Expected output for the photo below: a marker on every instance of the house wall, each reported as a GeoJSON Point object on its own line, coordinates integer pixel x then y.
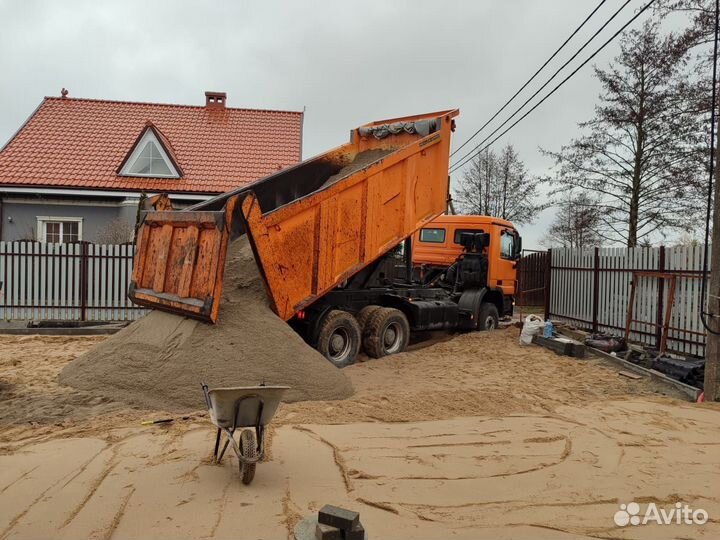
{"type": "Point", "coordinates": [20, 217]}
{"type": "Point", "coordinates": [104, 220]}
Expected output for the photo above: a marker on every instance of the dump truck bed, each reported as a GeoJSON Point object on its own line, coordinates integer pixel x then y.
{"type": "Point", "coordinates": [311, 226]}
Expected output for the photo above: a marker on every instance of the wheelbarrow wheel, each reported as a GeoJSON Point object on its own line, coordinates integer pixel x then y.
{"type": "Point", "coordinates": [248, 449]}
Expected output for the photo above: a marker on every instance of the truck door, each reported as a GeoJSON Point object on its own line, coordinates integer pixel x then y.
{"type": "Point", "coordinates": [503, 266]}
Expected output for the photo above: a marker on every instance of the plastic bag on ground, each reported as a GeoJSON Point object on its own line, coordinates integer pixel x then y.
{"type": "Point", "coordinates": [606, 342]}
{"type": "Point", "coordinates": [532, 326]}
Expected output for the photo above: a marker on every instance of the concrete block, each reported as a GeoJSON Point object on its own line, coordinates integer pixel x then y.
{"type": "Point", "coordinates": [338, 517]}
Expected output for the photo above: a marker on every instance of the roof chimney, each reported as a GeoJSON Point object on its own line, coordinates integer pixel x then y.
{"type": "Point", "coordinates": [215, 100]}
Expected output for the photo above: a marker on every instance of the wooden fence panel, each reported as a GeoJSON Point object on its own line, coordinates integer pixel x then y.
{"type": "Point", "coordinates": [66, 282]}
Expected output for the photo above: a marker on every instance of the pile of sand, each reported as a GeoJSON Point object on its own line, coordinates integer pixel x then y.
{"type": "Point", "coordinates": [160, 360]}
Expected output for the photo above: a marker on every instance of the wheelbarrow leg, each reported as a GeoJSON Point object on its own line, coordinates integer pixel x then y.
{"type": "Point", "coordinates": [217, 443]}
{"type": "Point", "coordinates": [230, 434]}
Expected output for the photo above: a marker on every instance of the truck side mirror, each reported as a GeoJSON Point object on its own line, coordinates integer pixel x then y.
{"type": "Point", "coordinates": [517, 245]}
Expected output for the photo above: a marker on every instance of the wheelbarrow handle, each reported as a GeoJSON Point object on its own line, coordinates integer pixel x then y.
{"type": "Point", "coordinates": [207, 395]}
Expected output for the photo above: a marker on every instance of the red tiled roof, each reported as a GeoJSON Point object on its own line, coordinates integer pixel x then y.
{"type": "Point", "coordinates": [80, 143]}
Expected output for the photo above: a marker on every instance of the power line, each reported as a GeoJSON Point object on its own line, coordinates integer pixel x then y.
{"type": "Point", "coordinates": [528, 100]}
{"type": "Point", "coordinates": [552, 77]}
{"type": "Point", "coordinates": [530, 79]}
{"type": "Point", "coordinates": [465, 159]}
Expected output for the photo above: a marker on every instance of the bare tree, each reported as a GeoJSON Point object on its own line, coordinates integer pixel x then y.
{"type": "Point", "coordinates": [701, 14]}
{"type": "Point", "coordinates": [576, 223]}
{"type": "Point", "coordinates": [499, 185]}
{"type": "Point", "coordinates": [699, 37]}
{"type": "Point", "coordinates": [116, 231]}
{"type": "Point", "coordinates": [641, 157]}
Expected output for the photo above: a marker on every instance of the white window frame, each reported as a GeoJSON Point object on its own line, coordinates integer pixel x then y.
{"type": "Point", "coordinates": [42, 221]}
{"type": "Point", "coordinates": [149, 135]}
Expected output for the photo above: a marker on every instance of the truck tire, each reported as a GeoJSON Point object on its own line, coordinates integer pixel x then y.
{"type": "Point", "coordinates": [339, 338]}
{"type": "Point", "coordinates": [387, 332]}
{"type": "Point", "coordinates": [364, 316]}
{"type": "Point", "coordinates": [488, 316]}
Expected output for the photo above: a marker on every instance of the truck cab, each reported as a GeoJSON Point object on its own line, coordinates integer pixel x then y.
{"type": "Point", "coordinates": [437, 246]}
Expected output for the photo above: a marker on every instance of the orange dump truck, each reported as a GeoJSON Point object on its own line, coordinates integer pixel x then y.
{"type": "Point", "coordinates": [323, 233]}
{"type": "Point", "coordinates": [437, 246]}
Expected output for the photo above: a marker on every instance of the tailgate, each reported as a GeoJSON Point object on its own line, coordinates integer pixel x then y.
{"type": "Point", "coordinates": [180, 261]}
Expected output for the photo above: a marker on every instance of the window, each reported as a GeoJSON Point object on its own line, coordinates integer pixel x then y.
{"type": "Point", "coordinates": [150, 162]}
{"type": "Point", "coordinates": [436, 236]}
{"type": "Point", "coordinates": [59, 230]}
{"type": "Point", "coordinates": [149, 159]}
{"type": "Point", "coordinates": [458, 232]}
{"type": "Point", "coordinates": [507, 244]}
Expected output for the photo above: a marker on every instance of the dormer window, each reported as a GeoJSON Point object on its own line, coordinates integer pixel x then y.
{"type": "Point", "coordinates": [149, 158]}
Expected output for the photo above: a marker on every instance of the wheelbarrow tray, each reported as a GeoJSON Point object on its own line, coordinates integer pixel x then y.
{"type": "Point", "coordinates": [223, 402]}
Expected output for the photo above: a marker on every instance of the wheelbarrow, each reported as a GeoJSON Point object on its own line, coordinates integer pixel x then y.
{"type": "Point", "coordinates": [249, 409]}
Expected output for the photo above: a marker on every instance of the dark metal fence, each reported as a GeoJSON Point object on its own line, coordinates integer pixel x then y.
{"type": "Point", "coordinates": [531, 275]}
{"type": "Point", "coordinates": [80, 281]}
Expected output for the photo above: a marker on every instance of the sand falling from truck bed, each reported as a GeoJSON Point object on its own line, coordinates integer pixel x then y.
{"type": "Point", "coordinates": [360, 161]}
{"type": "Point", "coordinates": [160, 360]}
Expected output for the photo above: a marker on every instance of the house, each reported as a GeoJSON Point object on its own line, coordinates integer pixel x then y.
{"type": "Point", "coordinates": [77, 168]}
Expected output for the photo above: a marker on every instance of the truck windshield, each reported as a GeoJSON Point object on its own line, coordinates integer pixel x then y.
{"type": "Point", "coordinates": [458, 232]}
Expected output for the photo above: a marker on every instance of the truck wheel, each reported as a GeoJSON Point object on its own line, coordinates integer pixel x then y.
{"type": "Point", "coordinates": [487, 316]}
{"type": "Point", "coordinates": [364, 316]}
{"type": "Point", "coordinates": [339, 338]}
{"type": "Point", "coordinates": [386, 332]}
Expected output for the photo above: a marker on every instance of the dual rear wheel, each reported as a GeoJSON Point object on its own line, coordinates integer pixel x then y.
{"type": "Point", "coordinates": [380, 331]}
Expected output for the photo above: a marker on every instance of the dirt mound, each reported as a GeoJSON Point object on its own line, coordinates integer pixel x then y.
{"type": "Point", "coordinates": [160, 360]}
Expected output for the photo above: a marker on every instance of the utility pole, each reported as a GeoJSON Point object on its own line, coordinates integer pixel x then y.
{"type": "Point", "coordinates": [712, 321]}
{"type": "Point", "coordinates": [712, 349]}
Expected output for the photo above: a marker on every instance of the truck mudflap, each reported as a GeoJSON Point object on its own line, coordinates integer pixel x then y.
{"type": "Point", "coordinates": [181, 259]}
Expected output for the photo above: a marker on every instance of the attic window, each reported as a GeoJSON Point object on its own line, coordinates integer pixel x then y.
{"type": "Point", "coordinates": [149, 159]}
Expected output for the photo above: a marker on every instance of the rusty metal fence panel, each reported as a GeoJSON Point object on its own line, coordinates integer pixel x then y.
{"type": "Point", "coordinates": [69, 282]}
{"type": "Point", "coordinates": [590, 288]}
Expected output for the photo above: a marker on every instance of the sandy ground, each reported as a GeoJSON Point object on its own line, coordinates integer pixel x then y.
{"type": "Point", "coordinates": [472, 437]}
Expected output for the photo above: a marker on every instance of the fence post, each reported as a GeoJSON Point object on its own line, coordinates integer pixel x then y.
{"type": "Point", "coordinates": [659, 317]}
{"type": "Point", "coordinates": [596, 289]}
{"type": "Point", "coordinates": [548, 283]}
{"type": "Point", "coordinates": [84, 281]}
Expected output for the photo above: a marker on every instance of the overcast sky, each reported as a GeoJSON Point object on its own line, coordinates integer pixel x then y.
{"type": "Point", "coordinates": [345, 62]}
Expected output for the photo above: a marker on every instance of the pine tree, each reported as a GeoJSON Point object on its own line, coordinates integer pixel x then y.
{"type": "Point", "coordinates": [641, 155]}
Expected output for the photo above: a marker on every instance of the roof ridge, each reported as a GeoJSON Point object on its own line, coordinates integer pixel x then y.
{"type": "Point", "coordinates": [177, 105]}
